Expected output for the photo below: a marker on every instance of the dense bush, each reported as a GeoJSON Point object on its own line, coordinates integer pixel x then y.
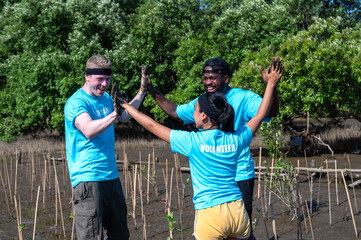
{"type": "Point", "coordinates": [44, 46]}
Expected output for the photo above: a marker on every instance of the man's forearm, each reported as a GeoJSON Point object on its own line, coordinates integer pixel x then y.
{"type": "Point", "coordinates": [137, 100]}
{"type": "Point", "coordinates": [274, 110]}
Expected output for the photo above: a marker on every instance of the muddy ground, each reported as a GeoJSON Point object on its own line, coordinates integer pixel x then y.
{"type": "Point", "coordinates": [156, 223]}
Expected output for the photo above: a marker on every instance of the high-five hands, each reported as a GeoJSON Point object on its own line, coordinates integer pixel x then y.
{"type": "Point", "coordinates": [274, 71]}
{"type": "Point", "coordinates": [118, 99]}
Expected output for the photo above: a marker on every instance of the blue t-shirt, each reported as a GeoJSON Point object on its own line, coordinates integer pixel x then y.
{"type": "Point", "coordinates": [89, 159]}
{"type": "Point", "coordinates": [245, 105]}
{"type": "Point", "coordinates": [213, 156]}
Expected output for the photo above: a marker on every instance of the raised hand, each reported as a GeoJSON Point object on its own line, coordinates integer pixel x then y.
{"type": "Point", "coordinates": [144, 79]}
{"type": "Point", "coordinates": [274, 71]}
{"type": "Point", "coordinates": [118, 99]}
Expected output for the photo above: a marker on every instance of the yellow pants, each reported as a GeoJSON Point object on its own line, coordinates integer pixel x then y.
{"type": "Point", "coordinates": [222, 221]}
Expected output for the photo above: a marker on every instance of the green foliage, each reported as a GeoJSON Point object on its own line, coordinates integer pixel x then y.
{"type": "Point", "coordinates": [171, 221]}
{"type": "Point", "coordinates": [44, 46]}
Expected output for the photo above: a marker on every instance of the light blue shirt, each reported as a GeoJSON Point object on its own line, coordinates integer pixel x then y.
{"type": "Point", "coordinates": [245, 105]}
{"type": "Point", "coordinates": [89, 159]}
{"type": "Point", "coordinates": [213, 157]}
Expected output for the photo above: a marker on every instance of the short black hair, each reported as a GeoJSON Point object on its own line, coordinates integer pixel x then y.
{"type": "Point", "coordinates": [218, 65]}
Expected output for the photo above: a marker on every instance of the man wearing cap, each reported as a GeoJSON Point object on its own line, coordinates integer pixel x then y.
{"type": "Point", "coordinates": [89, 133]}
{"type": "Point", "coordinates": [216, 76]}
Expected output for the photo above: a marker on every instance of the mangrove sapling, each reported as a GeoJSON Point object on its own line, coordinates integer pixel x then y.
{"type": "Point", "coordinates": [273, 223]}
{"type": "Point", "coordinates": [171, 221]}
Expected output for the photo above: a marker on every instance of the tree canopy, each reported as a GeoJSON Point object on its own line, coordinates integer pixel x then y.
{"type": "Point", "coordinates": [44, 46]}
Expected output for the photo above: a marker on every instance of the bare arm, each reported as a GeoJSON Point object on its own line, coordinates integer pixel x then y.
{"type": "Point", "coordinates": [137, 100]}
{"type": "Point", "coordinates": [274, 107]}
{"type": "Point", "coordinates": [273, 76]}
{"type": "Point", "coordinates": [148, 123]}
{"type": "Point", "coordinates": [92, 128]}
{"type": "Point", "coordinates": [167, 106]}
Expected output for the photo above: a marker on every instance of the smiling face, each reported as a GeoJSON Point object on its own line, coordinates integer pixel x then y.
{"type": "Point", "coordinates": [95, 85]}
{"type": "Point", "coordinates": [214, 81]}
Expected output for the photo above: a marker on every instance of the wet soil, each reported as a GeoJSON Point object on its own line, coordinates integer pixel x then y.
{"type": "Point", "coordinates": [337, 224]}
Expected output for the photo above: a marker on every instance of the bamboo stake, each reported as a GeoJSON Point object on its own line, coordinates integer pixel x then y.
{"type": "Point", "coordinates": [270, 192]}
{"type": "Point", "coordinates": [337, 201]}
{"type": "Point", "coordinates": [17, 218]}
{"type": "Point", "coordinates": [58, 190]}
{"type": "Point", "coordinates": [349, 203]}
{"type": "Point", "coordinates": [56, 209]}
{"type": "Point", "coordinates": [264, 215]}
{"type": "Point", "coordinates": [319, 184]}
{"type": "Point", "coordinates": [179, 199]}
{"type": "Point", "coordinates": [16, 173]}
{"type": "Point", "coordinates": [73, 213]}
{"type": "Point", "coordinates": [141, 195]}
{"type": "Point", "coordinates": [299, 227]}
{"type": "Point", "coordinates": [6, 196]}
{"type": "Point", "coordinates": [309, 181]}
{"type": "Point", "coordinates": [36, 211]}
{"type": "Point", "coordinates": [20, 214]}
{"type": "Point", "coordinates": [148, 193]}
{"type": "Point", "coordinates": [140, 167]}
{"type": "Point", "coordinates": [135, 194]}
{"type": "Point", "coordinates": [259, 173]}
{"type": "Point", "coordinates": [273, 223]}
{"type": "Point", "coordinates": [353, 187]}
{"type": "Point", "coordinates": [44, 183]}
{"type": "Point", "coordinates": [169, 202]}
{"type": "Point", "coordinates": [144, 229]}
{"type": "Point", "coordinates": [166, 191]}
{"type": "Point", "coordinates": [155, 176]}
{"type": "Point", "coordinates": [309, 219]}
{"type": "Point", "coordinates": [125, 170]}
{"type": "Point", "coordinates": [329, 193]}
{"type": "Point", "coordinates": [32, 174]}
{"type": "Point", "coordinates": [8, 182]}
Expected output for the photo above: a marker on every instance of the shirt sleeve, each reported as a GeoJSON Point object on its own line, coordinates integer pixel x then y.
{"type": "Point", "coordinates": [252, 105]}
{"type": "Point", "coordinates": [74, 108]}
{"type": "Point", "coordinates": [245, 133]}
{"type": "Point", "coordinates": [185, 111]}
{"type": "Point", "coordinates": [180, 142]}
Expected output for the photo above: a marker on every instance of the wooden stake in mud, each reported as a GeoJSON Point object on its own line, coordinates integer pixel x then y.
{"type": "Point", "coordinates": [299, 227]}
{"type": "Point", "coordinates": [309, 219]}
{"type": "Point", "coordinates": [274, 223]}
{"type": "Point", "coordinates": [141, 195]}
{"type": "Point", "coordinates": [319, 183]}
{"type": "Point", "coordinates": [349, 203]}
{"type": "Point", "coordinates": [329, 193]}
{"type": "Point", "coordinates": [44, 183]}
{"type": "Point", "coordinates": [259, 173]}
{"type": "Point", "coordinates": [309, 181]}
{"type": "Point", "coordinates": [337, 201]}
{"type": "Point", "coordinates": [16, 173]}
{"type": "Point", "coordinates": [73, 214]}
{"type": "Point", "coordinates": [144, 229]}
{"type": "Point", "coordinates": [6, 196]}
{"type": "Point", "coordinates": [36, 211]}
{"type": "Point", "coordinates": [17, 218]}
{"type": "Point", "coordinates": [8, 182]}
{"type": "Point", "coordinates": [270, 192]}
{"type": "Point", "coordinates": [353, 187]}
{"type": "Point", "coordinates": [148, 177]}
{"type": "Point", "coordinates": [154, 177]}
{"type": "Point", "coordinates": [264, 216]}
{"type": "Point", "coordinates": [57, 189]}
{"type": "Point", "coordinates": [125, 170]}
{"type": "Point", "coordinates": [135, 194]}
{"type": "Point", "coordinates": [179, 199]}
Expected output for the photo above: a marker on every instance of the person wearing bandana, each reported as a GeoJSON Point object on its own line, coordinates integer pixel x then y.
{"type": "Point", "coordinates": [216, 77]}
{"type": "Point", "coordinates": [213, 154]}
{"type": "Point", "coordinates": [90, 114]}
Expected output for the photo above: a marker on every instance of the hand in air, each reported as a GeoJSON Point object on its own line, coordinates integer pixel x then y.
{"type": "Point", "coordinates": [274, 71]}
{"type": "Point", "coordinates": [118, 99]}
{"type": "Point", "coordinates": [144, 77]}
